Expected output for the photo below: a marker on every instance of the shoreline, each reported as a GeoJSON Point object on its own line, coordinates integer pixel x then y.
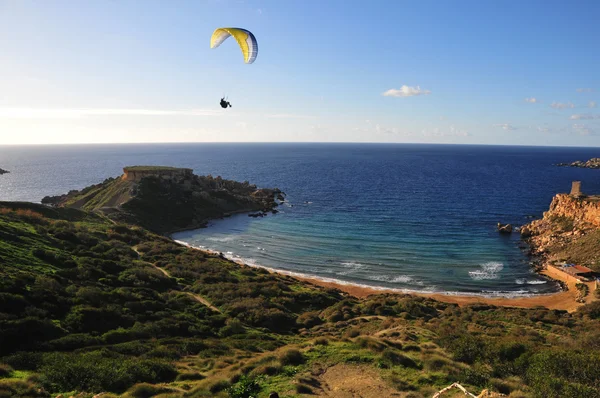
{"type": "Point", "coordinates": [563, 300]}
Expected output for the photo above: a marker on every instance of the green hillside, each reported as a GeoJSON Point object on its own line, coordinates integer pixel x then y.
{"type": "Point", "coordinates": [87, 304]}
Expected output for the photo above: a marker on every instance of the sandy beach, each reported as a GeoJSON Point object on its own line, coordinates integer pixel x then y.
{"type": "Point", "coordinates": [564, 300]}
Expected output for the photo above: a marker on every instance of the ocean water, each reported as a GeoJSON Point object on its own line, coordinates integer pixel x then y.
{"type": "Point", "coordinates": [402, 216]}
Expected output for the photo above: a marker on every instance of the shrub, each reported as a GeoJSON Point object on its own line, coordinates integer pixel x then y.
{"type": "Point", "coordinates": [24, 360]}
{"type": "Point", "coordinates": [291, 357]}
{"type": "Point", "coordinates": [303, 389]}
{"type": "Point", "coordinates": [395, 358]}
{"type": "Point", "coordinates": [244, 388]}
{"type": "Point", "coordinates": [309, 319]}
{"type": "Point", "coordinates": [321, 341]}
{"type": "Point", "coordinates": [219, 386]}
{"type": "Point", "coordinates": [101, 371]}
{"type": "Point", "coordinates": [20, 388]}
{"type": "Point", "coordinates": [145, 390]}
{"type": "Point", "coordinates": [5, 370]}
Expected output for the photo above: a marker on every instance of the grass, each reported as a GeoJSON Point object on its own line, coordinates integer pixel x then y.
{"type": "Point", "coordinates": [80, 310]}
{"type": "Point", "coordinates": [585, 250]}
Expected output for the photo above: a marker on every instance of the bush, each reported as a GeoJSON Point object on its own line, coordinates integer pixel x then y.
{"type": "Point", "coordinates": [321, 341]}
{"type": "Point", "coordinates": [291, 357]}
{"type": "Point", "coordinates": [395, 358]}
{"type": "Point", "coordinates": [5, 370]}
{"type": "Point", "coordinates": [244, 388]}
{"type": "Point", "coordinates": [20, 388]}
{"type": "Point", "coordinates": [24, 360]}
{"type": "Point", "coordinates": [219, 386]}
{"type": "Point", "coordinates": [101, 371]}
{"type": "Point", "coordinates": [309, 319]}
{"type": "Point", "coordinates": [145, 390]}
{"type": "Point", "coordinates": [303, 389]}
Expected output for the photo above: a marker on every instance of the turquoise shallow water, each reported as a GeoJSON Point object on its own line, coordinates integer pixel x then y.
{"type": "Point", "coordinates": [411, 217]}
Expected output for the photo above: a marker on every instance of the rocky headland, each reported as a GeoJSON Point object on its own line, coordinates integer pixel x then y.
{"type": "Point", "coordinates": [168, 199]}
{"type": "Point", "coordinates": [2, 171]}
{"type": "Point", "coordinates": [568, 233]}
{"type": "Point", "coordinates": [593, 163]}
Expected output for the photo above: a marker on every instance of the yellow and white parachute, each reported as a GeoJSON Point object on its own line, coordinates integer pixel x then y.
{"type": "Point", "coordinates": [245, 39]}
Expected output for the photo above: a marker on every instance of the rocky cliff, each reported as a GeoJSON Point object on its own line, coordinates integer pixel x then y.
{"type": "Point", "coordinates": [165, 199]}
{"type": "Point", "coordinates": [569, 231]}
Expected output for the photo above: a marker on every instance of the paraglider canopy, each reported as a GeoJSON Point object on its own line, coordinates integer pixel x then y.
{"type": "Point", "coordinates": [244, 38]}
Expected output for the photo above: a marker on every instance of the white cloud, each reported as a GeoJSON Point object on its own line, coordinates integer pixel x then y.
{"type": "Point", "coordinates": [584, 117]}
{"type": "Point", "coordinates": [543, 129]}
{"type": "Point", "coordinates": [66, 113]}
{"type": "Point", "coordinates": [559, 105]}
{"type": "Point", "coordinates": [582, 129]}
{"type": "Point", "coordinates": [505, 126]}
{"type": "Point", "coordinates": [533, 100]}
{"type": "Point", "coordinates": [287, 116]}
{"type": "Point", "coordinates": [450, 131]}
{"type": "Point", "coordinates": [406, 91]}
{"type": "Point", "coordinates": [584, 90]}
{"type": "Point", "coordinates": [592, 104]}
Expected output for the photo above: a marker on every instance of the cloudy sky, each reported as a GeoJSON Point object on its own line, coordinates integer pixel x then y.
{"type": "Point", "coordinates": [471, 72]}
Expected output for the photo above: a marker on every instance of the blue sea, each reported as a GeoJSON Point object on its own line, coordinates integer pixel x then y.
{"type": "Point", "coordinates": [404, 216]}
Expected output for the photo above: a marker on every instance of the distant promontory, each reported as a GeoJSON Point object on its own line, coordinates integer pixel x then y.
{"type": "Point", "coordinates": [593, 163]}
{"type": "Point", "coordinates": [167, 199]}
{"type": "Point", "coordinates": [2, 171]}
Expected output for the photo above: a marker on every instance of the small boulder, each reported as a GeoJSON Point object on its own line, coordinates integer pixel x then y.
{"type": "Point", "coordinates": [505, 228]}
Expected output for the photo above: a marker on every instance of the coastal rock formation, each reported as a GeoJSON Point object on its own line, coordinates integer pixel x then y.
{"type": "Point", "coordinates": [593, 163]}
{"type": "Point", "coordinates": [2, 171]}
{"type": "Point", "coordinates": [167, 199]}
{"type": "Point", "coordinates": [568, 232]}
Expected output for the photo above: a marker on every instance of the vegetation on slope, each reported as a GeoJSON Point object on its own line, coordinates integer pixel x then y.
{"type": "Point", "coordinates": [90, 305]}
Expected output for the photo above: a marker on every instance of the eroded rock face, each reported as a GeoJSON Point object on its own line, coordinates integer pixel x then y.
{"type": "Point", "coordinates": [566, 222]}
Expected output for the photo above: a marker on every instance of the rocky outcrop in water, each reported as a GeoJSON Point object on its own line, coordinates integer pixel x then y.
{"type": "Point", "coordinates": [2, 171]}
{"type": "Point", "coordinates": [593, 163]}
{"type": "Point", "coordinates": [504, 228]}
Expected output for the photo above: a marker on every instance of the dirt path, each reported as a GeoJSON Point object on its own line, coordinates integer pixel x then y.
{"type": "Point", "coordinates": [166, 273]}
{"type": "Point", "coordinates": [204, 301]}
{"type": "Point", "coordinates": [347, 381]}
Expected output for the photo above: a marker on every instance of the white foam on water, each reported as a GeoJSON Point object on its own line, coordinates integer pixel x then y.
{"type": "Point", "coordinates": [523, 281]}
{"type": "Point", "coordinates": [221, 239]}
{"type": "Point", "coordinates": [489, 270]}
{"type": "Point", "coordinates": [351, 267]}
{"type": "Point", "coordinates": [392, 279]}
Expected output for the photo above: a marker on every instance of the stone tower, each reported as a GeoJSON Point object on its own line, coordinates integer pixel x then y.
{"type": "Point", "coordinates": [576, 189]}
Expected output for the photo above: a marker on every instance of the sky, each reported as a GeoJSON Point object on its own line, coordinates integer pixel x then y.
{"type": "Point", "coordinates": [398, 71]}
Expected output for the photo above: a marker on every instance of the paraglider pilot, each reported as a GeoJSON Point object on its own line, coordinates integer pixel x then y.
{"type": "Point", "coordinates": [225, 104]}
